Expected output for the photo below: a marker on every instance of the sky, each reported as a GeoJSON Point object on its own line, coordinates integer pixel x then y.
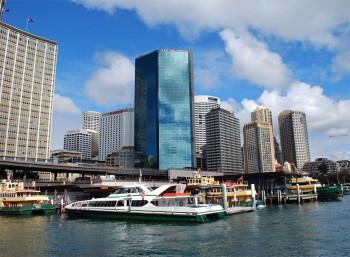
{"type": "Point", "coordinates": [283, 54]}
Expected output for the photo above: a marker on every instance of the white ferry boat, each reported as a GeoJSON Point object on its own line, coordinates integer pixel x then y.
{"type": "Point", "coordinates": [139, 202]}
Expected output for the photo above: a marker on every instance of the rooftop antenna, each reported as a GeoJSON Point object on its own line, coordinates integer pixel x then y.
{"type": "Point", "coordinates": [2, 9]}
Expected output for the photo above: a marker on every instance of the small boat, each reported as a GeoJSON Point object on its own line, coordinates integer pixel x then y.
{"type": "Point", "coordinates": [17, 200]}
{"type": "Point", "coordinates": [139, 202]}
{"type": "Point", "coordinates": [346, 189]}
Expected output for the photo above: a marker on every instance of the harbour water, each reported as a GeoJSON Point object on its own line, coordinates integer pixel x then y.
{"type": "Point", "coordinates": [310, 229]}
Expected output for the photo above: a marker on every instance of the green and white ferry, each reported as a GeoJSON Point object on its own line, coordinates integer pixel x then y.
{"type": "Point", "coordinates": [17, 200]}
{"type": "Point", "coordinates": [139, 202]}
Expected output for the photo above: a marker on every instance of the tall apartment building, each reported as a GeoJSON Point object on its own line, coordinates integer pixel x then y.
{"type": "Point", "coordinates": [264, 114]}
{"type": "Point", "coordinates": [164, 117]}
{"type": "Point", "coordinates": [27, 81]}
{"type": "Point", "coordinates": [202, 105]}
{"type": "Point", "coordinates": [91, 120]}
{"type": "Point", "coordinates": [78, 140]}
{"type": "Point", "coordinates": [259, 153]}
{"type": "Point", "coordinates": [116, 131]}
{"type": "Point", "coordinates": [224, 152]}
{"type": "Point", "coordinates": [294, 137]}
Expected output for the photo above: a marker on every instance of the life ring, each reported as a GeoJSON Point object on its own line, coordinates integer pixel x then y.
{"type": "Point", "coordinates": [142, 194]}
{"type": "Point", "coordinates": [181, 203]}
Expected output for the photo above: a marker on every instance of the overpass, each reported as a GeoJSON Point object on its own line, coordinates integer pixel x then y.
{"type": "Point", "coordinates": [81, 169]}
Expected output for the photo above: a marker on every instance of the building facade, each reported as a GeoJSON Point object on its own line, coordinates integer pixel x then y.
{"type": "Point", "coordinates": [264, 114]}
{"type": "Point", "coordinates": [124, 158]}
{"type": "Point", "coordinates": [79, 140]}
{"type": "Point", "coordinates": [224, 153]}
{"type": "Point", "coordinates": [27, 82]}
{"type": "Point", "coordinates": [294, 137]}
{"type": "Point", "coordinates": [259, 153]}
{"type": "Point", "coordinates": [202, 105]}
{"type": "Point", "coordinates": [164, 117]}
{"type": "Point", "coordinates": [116, 131]}
{"type": "Point", "coordinates": [91, 120]}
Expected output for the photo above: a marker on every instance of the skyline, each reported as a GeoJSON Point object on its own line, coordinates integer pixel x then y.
{"type": "Point", "coordinates": [283, 56]}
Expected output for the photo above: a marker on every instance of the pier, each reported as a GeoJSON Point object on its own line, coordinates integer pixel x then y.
{"type": "Point", "coordinates": [236, 210]}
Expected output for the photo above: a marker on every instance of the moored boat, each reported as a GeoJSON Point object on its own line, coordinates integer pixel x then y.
{"type": "Point", "coordinates": [17, 200]}
{"type": "Point", "coordinates": [139, 202]}
{"type": "Point", "coordinates": [238, 193]}
{"type": "Point", "coordinates": [308, 184]}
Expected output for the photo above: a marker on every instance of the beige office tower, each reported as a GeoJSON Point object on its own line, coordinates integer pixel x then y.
{"type": "Point", "coordinates": [294, 137]}
{"type": "Point", "coordinates": [27, 81]}
{"type": "Point", "coordinates": [259, 151]}
{"type": "Point", "coordinates": [261, 113]}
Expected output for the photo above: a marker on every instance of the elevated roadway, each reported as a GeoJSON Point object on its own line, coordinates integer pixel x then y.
{"type": "Point", "coordinates": [81, 169]}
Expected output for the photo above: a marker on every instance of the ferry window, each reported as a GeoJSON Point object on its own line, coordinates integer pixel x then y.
{"type": "Point", "coordinates": [155, 203]}
{"type": "Point", "coordinates": [120, 203]}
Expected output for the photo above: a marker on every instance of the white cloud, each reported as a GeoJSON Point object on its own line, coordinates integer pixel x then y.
{"type": "Point", "coordinates": [112, 84]}
{"type": "Point", "coordinates": [341, 65]}
{"type": "Point", "coordinates": [64, 105]}
{"type": "Point", "coordinates": [313, 20]}
{"type": "Point", "coordinates": [66, 115]}
{"type": "Point", "coordinates": [61, 123]}
{"type": "Point", "coordinates": [254, 62]}
{"type": "Point", "coordinates": [325, 116]}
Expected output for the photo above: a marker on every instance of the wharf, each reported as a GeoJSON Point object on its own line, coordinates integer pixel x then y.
{"type": "Point", "coordinates": [238, 209]}
{"type": "Point", "coordinates": [303, 198]}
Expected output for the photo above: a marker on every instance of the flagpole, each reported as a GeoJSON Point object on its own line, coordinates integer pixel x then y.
{"type": "Point", "coordinates": [28, 20]}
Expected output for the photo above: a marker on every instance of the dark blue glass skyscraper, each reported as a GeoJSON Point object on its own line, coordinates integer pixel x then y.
{"type": "Point", "coordinates": [164, 123]}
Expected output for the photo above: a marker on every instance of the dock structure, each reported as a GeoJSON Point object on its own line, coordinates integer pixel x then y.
{"type": "Point", "coordinates": [237, 210]}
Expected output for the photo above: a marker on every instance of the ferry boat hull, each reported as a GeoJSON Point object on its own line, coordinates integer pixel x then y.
{"type": "Point", "coordinates": [146, 216]}
{"type": "Point", "coordinates": [28, 210]}
{"type": "Point", "coordinates": [329, 192]}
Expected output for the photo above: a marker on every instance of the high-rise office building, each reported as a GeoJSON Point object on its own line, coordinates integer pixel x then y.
{"type": "Point", "coordinates": [264, 114]}
{"type": "Point", "coordinates": [259, 155]}
{"type": "Point", "coordinates": [27, 81]}
{"type": "Point", "coordinates": [261, 114]}
{"type": "Point", "coordinates": [224, 152]}
{"type": "Point", "coordinates": [78, 140]}
{"type": "Point", "coordinates": [116, 131]}
{"type": "Point", "coordinates": [164, 118]}
{"type": "Point", "coordinates": [294, 137]}
{"type": "Point", "coordinates": [91, 120]}
{"type": "Point", "coordinates": [202, 105]}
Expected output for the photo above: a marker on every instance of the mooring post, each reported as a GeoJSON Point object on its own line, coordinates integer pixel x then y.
{"type": "Point", "coordinates": [298, 193]}
{"type": "Point", "coordinates": [253, 195]}
{"type": "Point", "coordinates": [224, 196]}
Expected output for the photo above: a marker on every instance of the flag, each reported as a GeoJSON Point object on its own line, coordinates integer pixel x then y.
{"type": "Point", "coordinates": [240, 179]}
{"type": "Point", "coordinates": [199, 171]}
{"type": "Point", "coordinates": [30, 20]}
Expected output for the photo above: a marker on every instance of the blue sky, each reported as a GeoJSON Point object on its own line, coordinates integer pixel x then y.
{"type": "Point", "coordinates": [281, 54]}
